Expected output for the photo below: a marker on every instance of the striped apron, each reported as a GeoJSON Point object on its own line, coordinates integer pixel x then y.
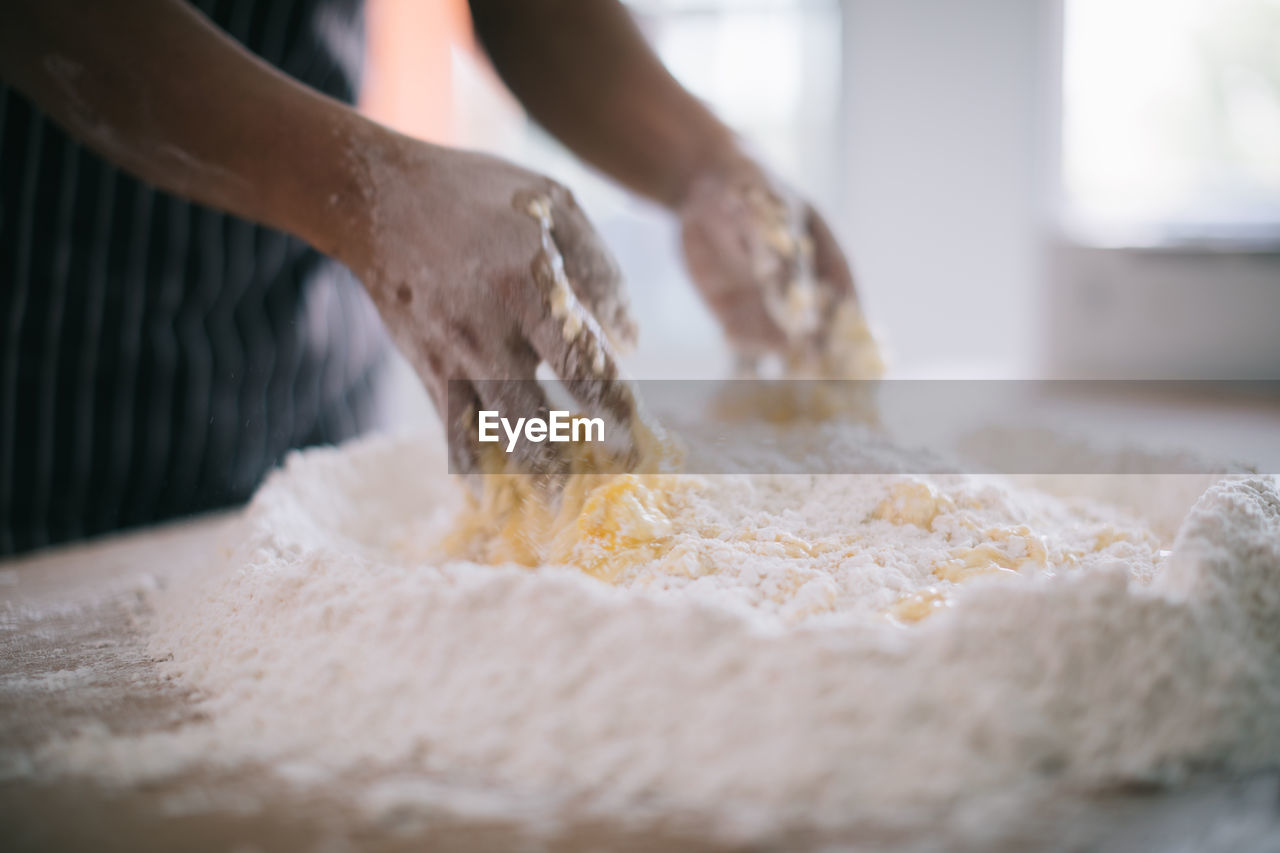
{"type": "Point", "coordinates": [158, 357]}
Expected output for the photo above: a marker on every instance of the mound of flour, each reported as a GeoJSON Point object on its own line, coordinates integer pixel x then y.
{"type": "Point", "coordinates": [813, 651]}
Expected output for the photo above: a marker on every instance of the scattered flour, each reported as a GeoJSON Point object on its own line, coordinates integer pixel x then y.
{"type": "Point", "coordinates": [752, 651]}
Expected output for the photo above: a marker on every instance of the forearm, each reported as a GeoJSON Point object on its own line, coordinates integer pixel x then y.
{"type": "Point", "coordinates": [586, 74]}
{"type": "Point", "coordinates": [156, 88]}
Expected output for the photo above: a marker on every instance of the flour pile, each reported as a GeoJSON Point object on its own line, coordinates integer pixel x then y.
{"type": "Point", "coordinates": [748, 651]}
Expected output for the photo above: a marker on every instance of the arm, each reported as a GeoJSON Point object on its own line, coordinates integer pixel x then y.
{"type": "Point", "coordinates": [586, 74]}
{"type": "Point", "coordinates": [764, 260]}
{"type": "Point", "coordinates": [156, 88]}
{"type": "Point", "coordinates": [463, 268]}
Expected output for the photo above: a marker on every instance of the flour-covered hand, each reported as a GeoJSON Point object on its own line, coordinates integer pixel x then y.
{"type": "Point", "coordinates": [482, 270]}
{"type": "Point", "coordinates": [763, 258]}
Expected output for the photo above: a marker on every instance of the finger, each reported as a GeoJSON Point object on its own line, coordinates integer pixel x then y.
{"type": "Point", "coordinates": [750, 326]}
{"type": "Point", "coordinates": [586, 366]}
{"type": "Point", "coordinates": [829, 264]}
{"type": "Point", "coordinates": [831, 270]}
{"type": "Point", "coordinates": [567, 337]}
{"type": "Point", "coordinates": [730, 291]}
{"type": "Point", "coordinates": [501, 370]}
{"type": "Point", "coordinates": [591, 268]}
{"type": "Point", "coordinates": [459, 414]}
{"type": "Point", "coordinates": [735, 268]}
{"type": "Point", "coordinates": [513, 399]}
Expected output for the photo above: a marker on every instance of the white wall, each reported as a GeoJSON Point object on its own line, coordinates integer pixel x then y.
{"type": "Point", "coordinates": [950, 108]}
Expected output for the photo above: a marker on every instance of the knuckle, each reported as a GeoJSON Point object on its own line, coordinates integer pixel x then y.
{"type": "Point", "coordinates": [564, 196]}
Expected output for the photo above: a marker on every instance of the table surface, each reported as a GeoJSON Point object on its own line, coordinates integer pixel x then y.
{"type": "Point", "coordinates": [72, 610]}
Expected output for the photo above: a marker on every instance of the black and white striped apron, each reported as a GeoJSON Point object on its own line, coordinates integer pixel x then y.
{"type": "Point", "coordinates": [158, 357]}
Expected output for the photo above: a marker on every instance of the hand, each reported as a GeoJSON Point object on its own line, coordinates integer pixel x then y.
{"type": "Point", "coordinates": [481, 270]}
{"type": "Point", "coordinates": [765, 261]}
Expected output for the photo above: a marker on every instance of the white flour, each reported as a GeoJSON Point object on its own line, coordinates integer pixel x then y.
{"type": "Point", "coordinates": [758, 667]}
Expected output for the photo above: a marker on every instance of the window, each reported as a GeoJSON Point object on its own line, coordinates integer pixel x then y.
{"type": "Point", "coordinates": [1171, 124]}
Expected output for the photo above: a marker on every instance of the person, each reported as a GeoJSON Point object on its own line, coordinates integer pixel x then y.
{"type": "Point", "coordinates": [190, 206]}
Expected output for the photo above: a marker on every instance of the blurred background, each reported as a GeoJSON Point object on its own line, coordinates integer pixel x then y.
{"type": "Point", "coordinates": [1026, 188]}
